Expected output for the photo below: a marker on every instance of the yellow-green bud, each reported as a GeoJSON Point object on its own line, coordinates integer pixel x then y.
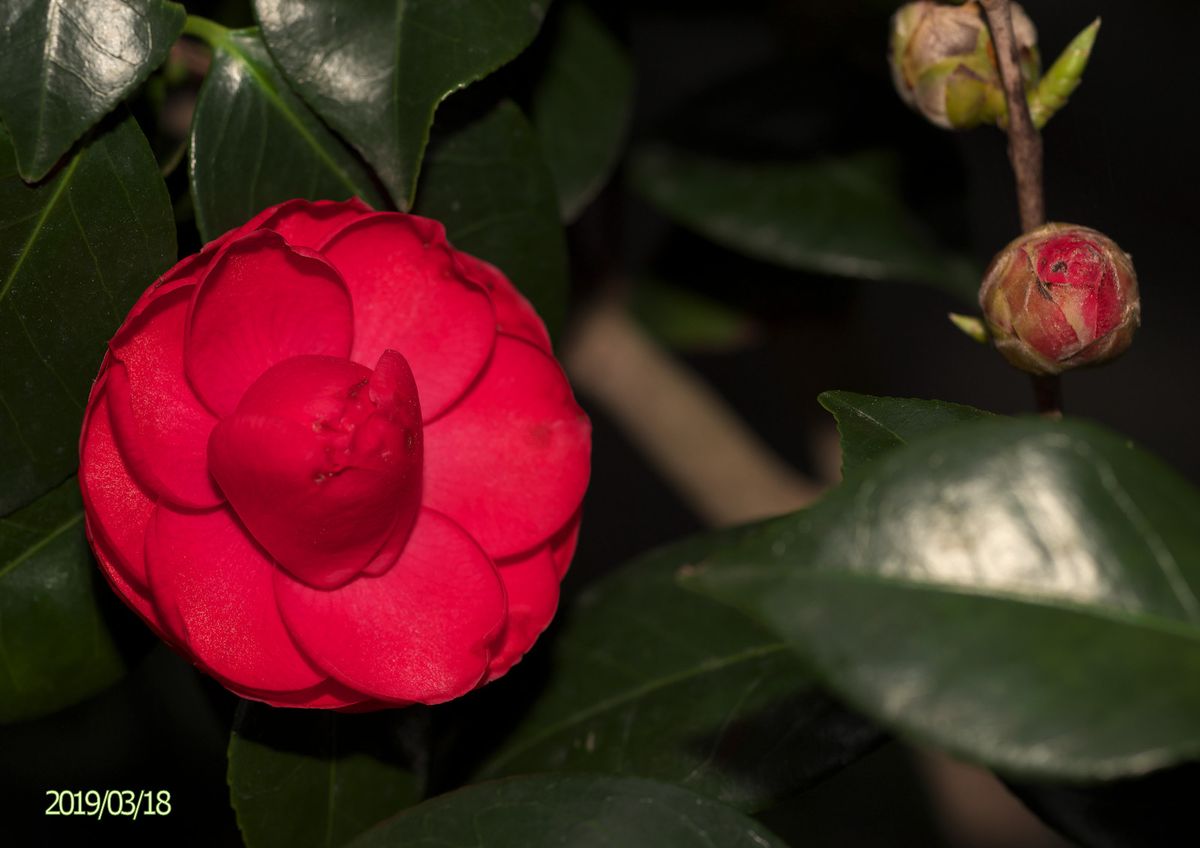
{"type": "Point", "coordinates": [944, 65]}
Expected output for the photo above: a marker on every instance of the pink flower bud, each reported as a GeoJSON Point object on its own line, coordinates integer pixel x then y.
{"type": "Point", "coordinates": [1060, 297]}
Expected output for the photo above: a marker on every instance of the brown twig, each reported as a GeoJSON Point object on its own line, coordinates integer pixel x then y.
{"type": "Point", "coordinates": [1025, 154]}
{"type": "Point", "coordinates": [721, 468]}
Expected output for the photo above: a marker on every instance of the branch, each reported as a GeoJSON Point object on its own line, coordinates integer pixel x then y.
{"type": "Point", "coordinates": [719, 466]}
{"type": "Point", "coordinates": [1025, 154]}
{"type": "Point", "coordinates": [1024, 141]}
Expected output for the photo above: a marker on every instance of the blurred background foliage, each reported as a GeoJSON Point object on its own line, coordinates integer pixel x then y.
{"type": "Point", "coordinates": [764, 144]}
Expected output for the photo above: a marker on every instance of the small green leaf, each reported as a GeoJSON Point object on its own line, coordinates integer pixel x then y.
{"type": "Point", "coordinates": [839, 216]}
{"type": "Point", "coordinates": [75, 252]}
{"type": "Point", "coordinates": [65, 65]}
{"type": "Point", "coordinates": [654, 681]}
{"type": "Point", "coordinates": [570, 810]}
{"type": "Point", "coordinates": [1064, 76]}
{"type": "Point", "coordinates": [582, 106]}
{"type": "Point", "coordinates": [872, 426]}
{"type": "Point", "coordinates": [971, 326]}
{"type": "Point", "coordinates": [488, 184]}
{"type": "Point", "coordinates": [377, 69]}
{"type": "Point", "coordinates": [54, 647]}
{"type": "Point", "coordinates": [300, 778]}
{"type": "Point", "coordinates": [255, 143]}
{"type": "Point", "coordinates": [1021, 592]}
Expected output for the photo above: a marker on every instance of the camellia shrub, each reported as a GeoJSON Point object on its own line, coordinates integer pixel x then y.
{"type": "Point", "coordinates": [418, 426]}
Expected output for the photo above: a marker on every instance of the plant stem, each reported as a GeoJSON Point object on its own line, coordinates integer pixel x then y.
{"type": "Point", "coordinates": [210, 32]}
{"type": "Point", "coordinates": [1025, 154]}
{"type": "Point", "coordinates": [1024, 141]}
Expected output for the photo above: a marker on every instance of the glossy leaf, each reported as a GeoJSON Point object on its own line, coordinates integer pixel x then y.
{"type": "Point", "coordinates": [54, 645]}
{"type": "Point", "coordinates": [654, 681]}
{"type": "Point", "coordinates": [75, 251]}
{"type": "Point", "coordinates": [559, 810]}
{"type": "Point", "coordinates": [65, 65]}
{"type": "Point", "coordinates": [582, 107]}
{"type": "Point", "coordinates": [255, 143]}
{"type": "Point", "coordinates": [872, 426]}
{"type": "Point", "coordinates": [377, 69]}
{"type": "Point", "coordinates": [488, 184]}
{"type": "Point", "coordinates": [1020, 592]}
{"type": "Point", "coordinates": [838, 216]}
{"type": "Point", "coordinates": [300, 778]}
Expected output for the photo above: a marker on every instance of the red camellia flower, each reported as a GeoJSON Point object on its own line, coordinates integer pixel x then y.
{"type": "Point", "coordinates": [333, 461]}
{"type": "Point", "coordinates": [1060, 297]}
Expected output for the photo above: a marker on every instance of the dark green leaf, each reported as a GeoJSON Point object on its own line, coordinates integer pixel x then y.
{"type": "Point", "coordinates": [654, 681]}
{"type": "Point", "coordinates": [1020, 592]}
{"type": "Point", "coordinates": [75, 251]}
{"type": "Point", "coordinates": [377, 69]}
{"type": "Point", "coordinates": [255, 143]}
{"type": "Point", "coordinates": [838, 216]}
{"type": "Point", "coordinates": [301, 778]}
{"type": "Point", "coordinates": [54, 647]}
{"type": "Point", "coordinates": [488, 184]}
{"type": "Point", "coordinates": [65, 65]}
{"type": "Point", "coordinates": [582, 106]}
{"type": "Point", "coordinates": [872, 426]}
{"type": "Point", "coordinates": [570, 810]}
{"type": "Point", "coordinates": [686, 320]}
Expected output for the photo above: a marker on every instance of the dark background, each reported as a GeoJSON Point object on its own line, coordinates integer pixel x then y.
{"type": "Point", "coordinates": [780, 80]}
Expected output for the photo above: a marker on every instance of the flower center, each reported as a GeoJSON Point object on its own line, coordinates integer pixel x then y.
{"type": "Point", "coordinates": [322, 463]}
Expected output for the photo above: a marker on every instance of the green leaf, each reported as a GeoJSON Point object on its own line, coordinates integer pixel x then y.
{"type": "Point", "coordinates": [574, 810]}
{"type": "Point", "coordinates": [686, 320]}
{"type": "Point", "coordinates": [872, 426]}
{"type": "Point", "coordinates": [582, 107]}
{"type": "Point", "coordinates": [654, 681]}
{"type": "Point", "coordinates": [377, 69]}
{"type": "Point", "coordinates": [488, 184]}
{"type": "Point", "coordinates": [75, 251]}
{"type": "Point", "coordinates": [838, 216]}
{"type": "Point", "coordinates": [255, 143]}
{"type": "Point", "coordinates": [54, 647]}
{"type": "Point", "coordinates": [65, 65]}
{"type": "Point", "coordinates": [1020, 592]}
{"type": "Point", "coordinates": [300, 778]}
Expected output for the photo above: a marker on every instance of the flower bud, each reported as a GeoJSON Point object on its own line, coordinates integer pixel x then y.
{"type": "Point", "coordinates": [1060, 297]}
{"type": "Point", "coordinates": [944, 65]}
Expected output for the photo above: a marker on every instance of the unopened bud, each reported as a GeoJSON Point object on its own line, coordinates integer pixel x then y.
{"type": "Point", "coordinates": [1060, 297]}
{"type": "Point", "coordinates": [944, 65]}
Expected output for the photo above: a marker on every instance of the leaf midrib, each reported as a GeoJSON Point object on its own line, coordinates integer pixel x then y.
{"type": "Point", "coordinates": [64, 181]}
{"type": "Point", "coordinates": [40, 544]}
{"type": "Point", "coordinates": [272, 95]}
{"type": "Point", "coordinates": [633, 694]}
{"type": "Point", "coordinates": [1125, 618]}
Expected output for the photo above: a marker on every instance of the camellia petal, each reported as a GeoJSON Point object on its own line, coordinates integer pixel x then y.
{"type": "Point", "coordinates": [262, 302]}
{"type": "Point", "coordinates": [322, 462]}
{"type": "Point", "coordinates": [121, 507]}
{"type": "Point", "coordinates": [159, 423]}
{"type": "Point", "coordinates": [422, 632]}
{"type": "Point", "coordinates": [308, 224]}
{"type": "Point", "coordinates": [514, 314]}
{"type": "Point", "coordinates": [409, 296]}
{"type": "Point", "coordinates": [564, 542]}
{"type": "Point", "coordinates": [531, 586]}
{"type": "Point", "coordinates": [510, 461]}
{"type": "Point", "coordinates": [213, 585]}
